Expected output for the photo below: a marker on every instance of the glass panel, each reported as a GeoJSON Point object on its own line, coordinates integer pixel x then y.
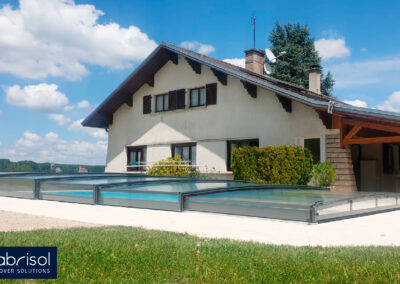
{"type": "Point", "coordinates": [194, 97]}
{"type": "Point", "coordinates": [166, 102]}
{"type": "Point", "coordinates": [160, 103]}
{"type": "Point", "coordinates": [178, 151]}
{"type": "Point", "coordinates": [193, 155]}
{"type": "Point", "coordinates": [203, 96]}
{"type": "Point", "coordinates": [185, 153]}
{"type": "Point", "coordinates": [313, 145]}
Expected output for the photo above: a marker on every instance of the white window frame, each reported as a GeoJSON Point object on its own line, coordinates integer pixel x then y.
{"type": "Point", "coordinates": [322, 144]}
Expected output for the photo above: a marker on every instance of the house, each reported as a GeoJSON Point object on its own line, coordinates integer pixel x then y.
{"type": "Point", "coordinates": [82, 170]}
{"type": "Point", "coordinates": [181, 102]}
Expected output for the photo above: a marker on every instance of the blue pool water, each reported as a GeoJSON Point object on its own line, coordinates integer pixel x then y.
{"type": "Point", "coordinates": [109, 180]}
{"type": "Point", "coordinates": [122, 195]}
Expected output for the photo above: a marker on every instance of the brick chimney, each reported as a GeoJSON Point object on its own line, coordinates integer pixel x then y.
{"type": "Point", "coordinates": [255, 60]}
{"type": "Point", "coordinates": [314, 79]}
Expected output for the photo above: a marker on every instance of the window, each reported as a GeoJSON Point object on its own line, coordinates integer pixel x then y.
{"type": "Point", "coordinates": [237, 144]}
{"type": "Point", "coordinates": [197, 97]}
{"type": "Point", "coordinates": [314, 145]}
{"type": "Point", "coordinates": [136, 158]}
{"type": "Point", "coordinates": [186, 151]}
{"type": "Point", "coordinates": [162, 102]}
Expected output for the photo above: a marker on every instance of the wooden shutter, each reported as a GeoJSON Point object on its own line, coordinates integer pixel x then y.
{"type": "Point", "coordinates": [180, 99]}
{"type": "Point", "coordinates": [147, 104]}
{"type": "Point", "coordinates": [172, 100]}
{"type": "Point", "coordinates": [211, 94]}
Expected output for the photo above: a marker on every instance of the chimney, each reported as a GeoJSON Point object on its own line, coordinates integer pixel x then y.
{"type": "Point", "coordinates": [255, 60]}
{"type": "Point", "coordinates": [314, 79]}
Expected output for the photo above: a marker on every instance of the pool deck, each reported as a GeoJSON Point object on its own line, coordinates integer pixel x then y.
{"type": "Point", "coordinates": [380, 229]}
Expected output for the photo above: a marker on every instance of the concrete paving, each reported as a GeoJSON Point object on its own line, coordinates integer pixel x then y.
{"type": "Point", "coordinates": [380, 229]}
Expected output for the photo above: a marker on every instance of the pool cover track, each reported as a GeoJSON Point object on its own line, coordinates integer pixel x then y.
{"type": "Point", "coordinates": [286, 202]}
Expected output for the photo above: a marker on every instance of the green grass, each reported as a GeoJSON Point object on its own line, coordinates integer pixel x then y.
{"type": "Point", "coordinates": [122, 254]}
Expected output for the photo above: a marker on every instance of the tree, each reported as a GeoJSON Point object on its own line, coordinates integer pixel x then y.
{"type": "Point", "coordinates": [294, 65]}
{"type": "Point", "coordinates": [327, 84]}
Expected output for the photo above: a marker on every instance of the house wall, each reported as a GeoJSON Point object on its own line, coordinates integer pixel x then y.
{"type": "Point", "coordinates": [235, 116]}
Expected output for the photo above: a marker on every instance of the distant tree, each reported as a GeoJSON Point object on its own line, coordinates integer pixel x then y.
{"type": "Point", "coordinates": [294, 66]}
{"type": "Point", "coordinates": [327, 85]}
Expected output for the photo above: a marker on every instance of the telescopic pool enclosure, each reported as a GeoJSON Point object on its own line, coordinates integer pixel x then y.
{"type": "Point", "coordinates": [286, 202]}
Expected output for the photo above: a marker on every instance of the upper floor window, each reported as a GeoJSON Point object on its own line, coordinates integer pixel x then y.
{"type": "Point", "coordinates": [198, 97]}
{"type": "Point", "coordinates": [162, 102]}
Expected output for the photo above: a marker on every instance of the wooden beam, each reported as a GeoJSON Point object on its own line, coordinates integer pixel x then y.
{"type": "Point", "coordinates": [342, 129]}
{"type": "Point", "coordinates": [373, 140]}
{"type": "Point", "coordinates": [129, 100]}
{"type": "Point", "coordinates": [173, 56]}
{"type": "Point", "coordinates": [150, 80]}
{"type": "Point", "coordinates": [196, 66]}
{"type": "Point", "coordinates": [250, 88]}
{"type": "Point", "coordinates": [352, 132]}
{"type": "Point", "coordinates": [326, 118]}
{"type": "Point", "coordinates": [336, 120]}
{"type": "Point", "coordinates": [371, 125]}
{"type": "Point", "coordinates": [285, 102]}
{"type": "Point", "coordinates": [221, 76]}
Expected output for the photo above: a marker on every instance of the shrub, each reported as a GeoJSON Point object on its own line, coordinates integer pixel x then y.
{"type": "Point", "coordinates": [273, 164]}
{"type": "Point", "coordinates": [324, 174]}
{"type": "Point", "coordinates": [170, 167]}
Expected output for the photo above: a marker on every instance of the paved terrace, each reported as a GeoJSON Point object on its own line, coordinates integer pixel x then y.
{"type": "Point", "coordinates": [380, 229]}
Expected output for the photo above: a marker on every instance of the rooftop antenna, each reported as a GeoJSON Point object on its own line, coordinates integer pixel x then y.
{"type": "Point", "coordinates": [253, 23]}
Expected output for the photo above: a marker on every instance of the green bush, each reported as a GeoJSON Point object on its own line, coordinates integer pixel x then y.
{"type": "Point", "coordinates": [170, 167]}
{"type": "Point", "coordinates": [273, 165]}
{"type": "Point", "coordinates": [324, 174]}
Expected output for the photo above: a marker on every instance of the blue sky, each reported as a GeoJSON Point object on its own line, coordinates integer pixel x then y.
{"type": "Point", "coordinates": [60, 58]}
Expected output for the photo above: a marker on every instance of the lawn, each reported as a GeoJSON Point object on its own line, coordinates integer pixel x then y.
{"type": "Point", "coordinates": [122, 254]}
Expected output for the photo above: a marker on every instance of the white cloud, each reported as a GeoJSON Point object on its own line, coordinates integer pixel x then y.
{"type": "Point", "coordinates": [363, 49]}
{"type": "Point", "coordinates": [51, 136]}
{"type": "Point", "coordinates": [92, 132]}
{"type": "Point", "coordinates": [366, 72]}
{"type": "Point", "coordinates": [392, 103]}
{"type": "Point", "coordinates": [332, 48]}
{"type": "Point", "coordinates": [68, 108]}
{"type": "Point", "coordinates": [42, 97]}
{"type": "Point", "coordinates": [59, 118]}
{"type": "Point", "coordinates": [30, 140]}
{"type": "Point", "coordinates": [198, 47]}
{"type": "Point", "coordinates": [357, 103]}
{"type": "Point", "coordinates": [53, 149]}
{"type": "Point", "coordinates": [83, 104]}
{"type": "Point", "coordinates": [236, 61]}
{"type": "Point", "coordinates": [59, 38]}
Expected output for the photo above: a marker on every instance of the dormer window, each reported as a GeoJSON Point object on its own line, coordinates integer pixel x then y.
{"type": "Point", "coordinates": [198, 97]}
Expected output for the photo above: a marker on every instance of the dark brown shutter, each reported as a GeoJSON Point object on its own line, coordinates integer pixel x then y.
{"type": "Point", "coordinates": [180, 99]}
{"type": "Point", "coordinates": [147, 104]}
{"type": "Point", "coordinates": [211, 94]}
{"type": "Point", "coordinates": [172, 100]}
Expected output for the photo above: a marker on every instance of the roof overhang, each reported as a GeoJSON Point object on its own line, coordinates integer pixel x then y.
{"type": "Point", "coordinates": [101, 117]}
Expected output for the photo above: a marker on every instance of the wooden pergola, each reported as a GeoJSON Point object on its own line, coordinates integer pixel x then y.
{"type": "Point", "coordinates": [360, 129]}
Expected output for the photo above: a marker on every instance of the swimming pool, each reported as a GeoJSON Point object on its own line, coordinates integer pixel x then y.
{"type": "Point", "coordinates": [286, 202]}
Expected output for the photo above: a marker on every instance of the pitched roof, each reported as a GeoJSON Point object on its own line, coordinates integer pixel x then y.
{"type": "Point", "coordinates": [102, 115]}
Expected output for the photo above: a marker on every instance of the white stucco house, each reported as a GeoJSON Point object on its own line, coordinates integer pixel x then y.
{"type": "Point", "coordinates": [179, 101]}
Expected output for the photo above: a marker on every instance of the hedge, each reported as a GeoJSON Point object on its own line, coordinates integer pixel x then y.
{"type": "Point", "coordinates": [170, 167]}
{"type": "Point", "coordinates": [273, 165]}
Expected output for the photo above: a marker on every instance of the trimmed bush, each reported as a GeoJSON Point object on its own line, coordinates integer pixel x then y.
{"type": "Point", "coordinates": [324, 174]}
{"type": "Point", "coordinates": [273, 165]}
{"type": "Point", "coordinates": [170, 167]}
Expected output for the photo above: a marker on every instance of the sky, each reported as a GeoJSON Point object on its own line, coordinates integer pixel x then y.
{"type": "Point", "coordinates": [59, 59]}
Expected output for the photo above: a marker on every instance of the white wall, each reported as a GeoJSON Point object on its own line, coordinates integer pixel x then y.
{"type": "Point", "coordinates": [235, 116]}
